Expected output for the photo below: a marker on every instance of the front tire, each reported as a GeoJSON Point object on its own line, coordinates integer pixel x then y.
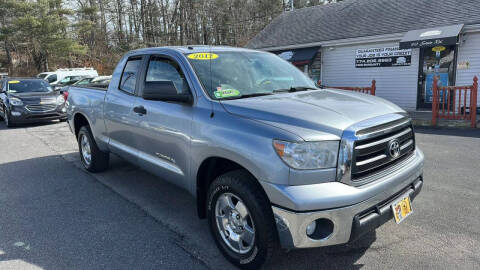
{"type": "Point", "coordinates": [92, 158]}
{"type": "Point", "coordinates": [7, 120]}
{"type": "Point", "coordinates": [241, 220]}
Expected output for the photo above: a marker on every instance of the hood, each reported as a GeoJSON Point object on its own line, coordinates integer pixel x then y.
{"type": "Point", "coordinates": [312, 115]}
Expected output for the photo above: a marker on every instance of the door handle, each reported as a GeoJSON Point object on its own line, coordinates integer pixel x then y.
{"type": "Point", "coordinates": [140, 110]}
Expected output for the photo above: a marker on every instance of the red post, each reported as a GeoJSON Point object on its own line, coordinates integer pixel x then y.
{"type": "Point", "coordinates": [473, 106]}
{"type": "Point", "coordinates": [374, 87]}
{"type": "Point", "coordinates": [434, 101]}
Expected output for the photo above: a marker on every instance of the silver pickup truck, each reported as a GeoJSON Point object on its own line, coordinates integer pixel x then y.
{"type": "Point", "coordinates": [272, 160]}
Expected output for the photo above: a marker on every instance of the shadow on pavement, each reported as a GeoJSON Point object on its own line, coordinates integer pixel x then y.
{"type": "Point", "coordinates": [55, 215]}
{"type": "Point", "coordinates": [18, 126]}
{"type": "Point", "coordinates": [461, 132]}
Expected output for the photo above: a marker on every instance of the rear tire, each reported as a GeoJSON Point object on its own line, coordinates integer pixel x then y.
{"type": "Point", "coordinates": [241, 190]}
{"type": "Point", "coordinates": [92, 158]}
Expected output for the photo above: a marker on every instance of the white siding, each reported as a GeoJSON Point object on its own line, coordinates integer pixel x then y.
{"type": "Point", "coordinates": [397, 84]}
{"type": "Point", "coordinates": [469, 51]}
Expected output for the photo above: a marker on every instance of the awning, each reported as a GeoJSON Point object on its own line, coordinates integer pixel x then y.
{"type": "Point", "coordinates": [431, 37]}
{"type": "Point", "coordinates": [298, 56]}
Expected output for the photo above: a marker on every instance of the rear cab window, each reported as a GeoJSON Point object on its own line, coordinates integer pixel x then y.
{"type": "Point", "coordinates": [128, 80]}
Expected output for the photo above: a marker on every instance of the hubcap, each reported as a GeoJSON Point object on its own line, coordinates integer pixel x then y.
{"type": "Point", "coordinates": [85, 149]}
{"type": "Point", "coordinates": [234, 223]}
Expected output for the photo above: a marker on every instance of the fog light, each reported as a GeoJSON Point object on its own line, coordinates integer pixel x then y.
{"type": "Point", "coordinates": [311, 228]}
{"type": "Point", "coordinates": [16, 113]}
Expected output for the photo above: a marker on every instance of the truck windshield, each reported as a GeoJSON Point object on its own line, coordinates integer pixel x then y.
{"type": "Point", "coordinates": [26, 86]}
{"type": "Point", "coordinates": [231, 75]}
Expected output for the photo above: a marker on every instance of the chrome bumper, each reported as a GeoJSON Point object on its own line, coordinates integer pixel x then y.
{"type": "Point", "coordinates": [352, 219]}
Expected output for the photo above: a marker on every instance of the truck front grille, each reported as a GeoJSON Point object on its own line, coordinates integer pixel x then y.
{"type": "Point", "coordinates": [41, 107]}
{"type": "Point", "coordinates": [375, 154]}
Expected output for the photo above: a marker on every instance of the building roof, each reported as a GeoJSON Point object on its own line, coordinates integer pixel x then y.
{"type": "Point", "coordinates": [362, 18]}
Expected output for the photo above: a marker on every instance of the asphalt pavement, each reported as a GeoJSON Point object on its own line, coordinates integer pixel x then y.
{"type": "Point", "coordinates": [55, 215]}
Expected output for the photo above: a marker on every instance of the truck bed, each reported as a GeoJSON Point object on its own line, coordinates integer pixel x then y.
{"type": "Point", "coordinates": [89, 101]}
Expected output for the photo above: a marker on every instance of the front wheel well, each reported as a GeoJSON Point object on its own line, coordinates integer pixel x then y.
{"type": "Point", "coordinates": [79, 120]}
{"type": "Point", "coordinates": [208, 171]}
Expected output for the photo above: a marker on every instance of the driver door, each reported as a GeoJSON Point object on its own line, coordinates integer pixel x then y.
{"type": "Point", "coordinates": [163, 136]}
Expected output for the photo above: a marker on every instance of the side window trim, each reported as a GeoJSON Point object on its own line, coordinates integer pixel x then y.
{"type": "Point", "coordinates": [139, 72]}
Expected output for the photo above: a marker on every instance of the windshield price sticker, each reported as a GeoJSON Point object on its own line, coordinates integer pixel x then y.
{"type": "Point", "coordinates": [13, 82]}
{"type": "Point", "coordinates": [202, 56]}
{"type": "Point", "coordinates": [225, 93]}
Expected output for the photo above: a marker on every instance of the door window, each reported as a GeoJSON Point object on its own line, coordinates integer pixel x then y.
{"type": "Point", "coordinates": [129, 75]}
{"type": "Point", "coordinates": [162, 69]}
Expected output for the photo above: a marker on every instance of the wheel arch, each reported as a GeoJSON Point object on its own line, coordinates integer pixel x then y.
{"type": "Point", "coordinates": [79, 120]}
{"type": "Point", "coordinates": [209, 169]}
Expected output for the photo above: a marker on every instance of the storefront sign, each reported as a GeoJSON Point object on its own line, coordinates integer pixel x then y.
{"type": "Point", "coordinates": [383, 57]}
{"type": "Point", "coordinates": [431, 37]}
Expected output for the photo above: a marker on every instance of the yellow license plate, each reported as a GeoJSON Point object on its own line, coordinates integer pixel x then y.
{"type": "Point", "coordinates": [402, 208]}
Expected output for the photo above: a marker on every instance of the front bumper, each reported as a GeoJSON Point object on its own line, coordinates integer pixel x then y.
{"type": "Point", "coordinates": [20, 114]}
{"type": "Point", "coordinates": [351, 220]}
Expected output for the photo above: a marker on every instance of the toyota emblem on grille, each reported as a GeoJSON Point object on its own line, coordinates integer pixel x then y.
{"type": "Point", "coordinates": [394, 148]}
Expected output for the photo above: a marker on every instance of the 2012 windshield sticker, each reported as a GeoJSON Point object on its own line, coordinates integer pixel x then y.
{"type": "Point", "coordinates": [202, 56]}
{"type": "Point", "coordinates": [225, 93]}
{"type": "Point", "coordinates": [13, 82]}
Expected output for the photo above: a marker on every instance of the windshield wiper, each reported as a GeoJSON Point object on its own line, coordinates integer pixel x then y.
{"type": "Point", "coordinates": [248, 95]}
{"type": "Point", "coordinates": [294, 89]}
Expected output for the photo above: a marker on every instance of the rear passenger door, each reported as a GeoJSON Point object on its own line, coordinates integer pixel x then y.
{"type": "Point", "coordinates": [120, 120]}
{"type": "Point", "coordinates": [163, 137]}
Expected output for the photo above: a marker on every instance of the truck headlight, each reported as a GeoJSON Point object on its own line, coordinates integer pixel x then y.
{"type": "Point", "coordinates": [60, 100]}
{"type": "Point", "coordinates": [308, 155]}
{"type": "Point", "coordinates": [16, 101]}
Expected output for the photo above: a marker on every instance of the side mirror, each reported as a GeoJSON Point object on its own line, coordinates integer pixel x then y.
{"type": "Point", "coordinates": [164, 91]}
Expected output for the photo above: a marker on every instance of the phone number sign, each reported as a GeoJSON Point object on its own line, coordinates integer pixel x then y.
{"type": "Point", "coordinates": [383, 57]}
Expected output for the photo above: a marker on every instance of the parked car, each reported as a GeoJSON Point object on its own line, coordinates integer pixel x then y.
{"type": "Point", "coordinates": [26, 100]}
{"type": "Point", "coordinates": [100, 82]}
{"type": "Point", "coordinates": [271, 159]}
{"type": "Point", "coordinates": [90, 80]}
{"type": "Point", "coordinates": [69, 80]}
{"type": "Point", "coordinates": [54, 77]}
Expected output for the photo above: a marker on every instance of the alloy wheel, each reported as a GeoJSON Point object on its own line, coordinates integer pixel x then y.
{"type": "Point", "coordinates": [234, 223]}
{"type": "Point", "coordinates": [85, 149]}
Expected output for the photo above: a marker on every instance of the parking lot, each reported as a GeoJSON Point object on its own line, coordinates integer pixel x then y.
{"type": "Point", "coordinates": [55, 215]}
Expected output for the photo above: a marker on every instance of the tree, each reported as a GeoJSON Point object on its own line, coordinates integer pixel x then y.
{"type": "Point", "coordinates": [40, 29]}
{"type": "Point", "coordinates": [97, 32]}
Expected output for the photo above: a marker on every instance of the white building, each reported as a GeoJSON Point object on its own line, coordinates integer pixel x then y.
{"type": "Point", "coordinates": [401, 44]}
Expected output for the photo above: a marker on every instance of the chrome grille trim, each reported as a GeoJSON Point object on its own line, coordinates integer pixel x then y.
{"type": "Point", "coordinates": [40, 107]}
{"type": "Point", "coordinates": [360, 163]}
{"type": "Point", "coordinates": [364, 146]}
{"type": "Point", "coordinates": [366, 131]}
{"type": "Point", "coordinates": [407, 144]}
